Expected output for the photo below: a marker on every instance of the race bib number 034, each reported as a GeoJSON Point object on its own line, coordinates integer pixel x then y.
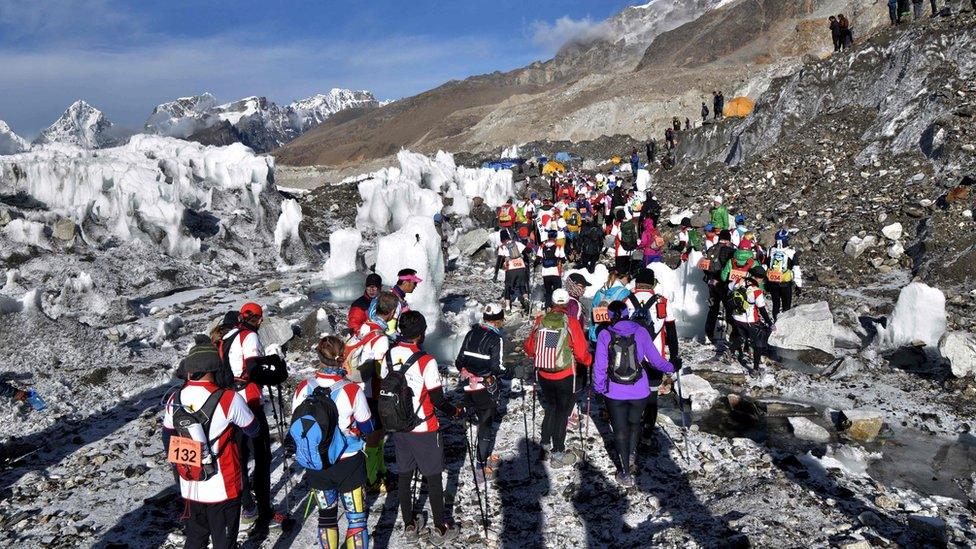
{"type": "Point", "coordinates": [601, 315]}
{"type": "Point", "coordinates": [184, 451]}
{"type": "Point", "coordinates": [774, 276]}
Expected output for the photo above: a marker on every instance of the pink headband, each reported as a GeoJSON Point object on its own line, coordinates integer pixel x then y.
{"type": "Point", "coordinates": [410, 278]}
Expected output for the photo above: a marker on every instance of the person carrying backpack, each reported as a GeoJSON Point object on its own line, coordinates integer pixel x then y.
{"type": "Point", "coordinates": [736, 269]}
{"type": "Point", "coordinates": [783, 273]}
{"type": "Point", "coordinates": [614, 290]}
{"type": "Point", "coordinates": [653, 311]}
{"type": "Point", "coordinates": [752, 322]}
{"type": "Point", "coordinates": [511, 254]}
{"type": "Point", "coordinates": [591, 246]}
{"type": "Point", "coordinates": [480, 361]}
{"type": "Point", "coordinates": [624, 351]}
{"type": "Point", "coordinates": [574, 224]}
{"type": "Point", "coordinates": [364, 353]}
{"type": "Point", "coordinates": [718, 291]}
{"type": "Point", "coordinates": [359, 310]}
{"type": "Point", "coordinates": [506, 215]}
{"type": "Point", "coordinates": [330, 416]}
{"type": "Point", "coordinates": [551, 257]}
{"type": "Point", "coordinates": [410, 392]}
{"type": "Point", "coordinates": [651, 244]}
{"type": "Point", "coordinates": [252, 368]}
{"type": "Point", "coordinates": [625, 241]}
{"type": "Point", "coordinates": [200, 425]}
{"type": "Point", "coordinates": [557, 346]}
{"type": "Point", "coordinates": [719, 215]}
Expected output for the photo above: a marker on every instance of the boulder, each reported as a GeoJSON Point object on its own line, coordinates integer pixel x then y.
{"type": "Point", "coordinates": [928, 528]}
{"type": "Point", "coordinates": [804, 429]}
{"type": "Point", "coordinates": [862, 425]}
{"type": "Point", "coordinates": [856, 246]}
{"type": "Point", "coordinates": [64, 230]}
{"type": "Point", "coordinates": [893, 231]}
{"type": "Point", "coordinates": [275, 331]}
{"type": "Point", "coordinates": [293, 303]}
{"type": "Point", "coordinates": [959, 348]}
{"type": "Point", "coordinates": [472, 241]}
{"type": "Point", "coordinates": [699, 391]}
{"type": "Point", "coordinates": [805, 327]}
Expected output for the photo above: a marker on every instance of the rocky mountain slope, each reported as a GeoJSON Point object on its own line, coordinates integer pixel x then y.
{"type": "Point", "coordinates": [82, 125]}
{"type": "Point", "coordinates": [10, 142]}
{"type": "Point", "coordinates": [605, 84]}
{"type": "Point", "coordinates": [257, 122]}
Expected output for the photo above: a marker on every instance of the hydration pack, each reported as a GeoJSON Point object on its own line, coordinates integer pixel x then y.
{"type": "Point", "coordinates": [549, 258]}
{"type": "Point", "coordinates": [313, 428]}
{"type": "Point", "coordinates": [628, 236]}
{"type": "Point", "coordinates": [642, 312]}
{"type": "Point", "coordinates": [623, 366]}
{"type": "Point", "coordinates": [196, 426]}
{"type": "Point", "coordinates": [395, 406]}
{"type": "Point", "coordinates": [552, 350]}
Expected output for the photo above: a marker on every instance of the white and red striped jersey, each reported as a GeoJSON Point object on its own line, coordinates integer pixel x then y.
{"type": "Point", "coordinates": [755, 299]}
{"type": "Point", "coordinates": [560, 254]}
{"type": "Point", "coordinates": [375, 346]}
{"type": "Point", "coordinates": [661, 313]}
{"type": "Point", "coordinates": [615, 232]}
{"type": "Point", "coordinates": [231, 411]}
{"type": "Point", "coordinates": [244, 344]}
{"type": "Point", "coordinates": [422, 377]}
{"type": "Point", "coordinates": [350, 402]}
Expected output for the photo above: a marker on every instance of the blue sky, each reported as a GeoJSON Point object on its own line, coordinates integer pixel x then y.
{"type": "Point", "coordinates": [126, 57]}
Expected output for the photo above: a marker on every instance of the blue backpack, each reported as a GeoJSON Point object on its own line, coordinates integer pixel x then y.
{"type": "Point", "coordinates": [315, 428]}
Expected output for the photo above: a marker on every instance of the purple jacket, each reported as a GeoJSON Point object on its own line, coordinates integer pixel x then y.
{"type": "Point", "coordinates": [646, 352]}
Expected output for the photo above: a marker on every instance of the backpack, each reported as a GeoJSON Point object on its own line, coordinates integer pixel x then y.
{"type": "Point", "coordinates": [642, 312]}
{"type": "Point", "coordinates": [622, 365]}
{"type": "Point", "coordinates": [523, 232]}
{"type": "Point", "coordinates": [353, 352]}
{"type": "Point", "coordinates": [628, 236]}
{"type": "Point", "coordinates": [476, 350]}
{"type": "Point", "coordinates": [549, 258]}
{"type": "Point", "coordinates": [552, 350]}
{"type": "Point", "coordinates": [694, 240]}
{"type": "Point", "coordinates": [592, 242]}
{"type": "Point", "coordinates": [395, 406]}
{"type": "Point", "coordinates": [740, 301]}
{"type": "Point", "coordinates": [195, 426]}
{"type": "Point", "coordinates": [574, 220]}
{"type": "Point", "coordinates": [314, 427]}
{"type": "Point", "coordinates": [520, 213]}
{"type": "Point", "coordinates": [505, 214]}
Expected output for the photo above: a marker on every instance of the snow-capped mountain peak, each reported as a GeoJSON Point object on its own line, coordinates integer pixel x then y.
{"type": "Point", "coordinates": [182, 117]}
{"type": "Point", "coordinates": [82, 125]}
{"type": "Point", "coordinates": [316, 109]}
{"type": "Point", "coordinates": [10, 142]}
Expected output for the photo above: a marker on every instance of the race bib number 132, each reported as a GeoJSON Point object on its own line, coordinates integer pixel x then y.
{"type": "Point", "coordinates": [184, 451]}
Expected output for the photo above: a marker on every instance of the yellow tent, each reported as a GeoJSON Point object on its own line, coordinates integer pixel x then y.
{"type": "Point", "coordinates": [739, 106]}
{"type": "Point", "coordinates": [553, 167]}
{"type": "Point", "coordinates": [616, 160]}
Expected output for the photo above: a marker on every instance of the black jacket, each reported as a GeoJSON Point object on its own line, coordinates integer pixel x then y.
{"type": "Point", "coordinates": [481, 352]}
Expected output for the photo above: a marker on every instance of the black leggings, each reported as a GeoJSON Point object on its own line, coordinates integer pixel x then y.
{"type": "Point", "coordinates": [751, 334]}
{"type": "Point", "coordinates": [259, 448]}
{"type": "Point", "coordinates": [551, 283]}
{"type": "Point", "coordinates": [558, 401]}
{"type": "Point", "coordinates": [435, 494]}
{"type": "Point", "coordinates": [625, 418]}
{"type": "Point", "coordinates": [717, 300]}
{"type": "Point", "coordinates": [782, 295]}
{"type": "Point", "coordinates": [486, 409]}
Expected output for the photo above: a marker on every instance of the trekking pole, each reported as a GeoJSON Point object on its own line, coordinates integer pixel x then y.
{"type": "Point", "coordinates": [477, 490]}
{"type": "Point", "coordinates": [684, 416]}
{"type": "Point", "coordinates": [279, 418]}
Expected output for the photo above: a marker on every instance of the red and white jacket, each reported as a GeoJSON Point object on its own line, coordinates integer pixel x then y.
{"type": "Point", "coordinates": [241, 345]}
{"type": "Point", "coordinates": [755, 300]}
{"type": "Point", "coordinates": [661, 313]}
{"type": "Point", "coordinates": [422, 377]}
{"type": "Point", "coordinates": [350, 402]}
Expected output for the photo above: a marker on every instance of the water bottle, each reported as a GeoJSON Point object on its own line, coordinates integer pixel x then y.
{"type": "Point", "coordinates": [35, 400]}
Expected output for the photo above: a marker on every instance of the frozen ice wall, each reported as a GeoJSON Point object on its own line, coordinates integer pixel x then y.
{"type": "Point", "coordinates": [685, 288]}
{"type": "Point", "coordinates": [139, 191]}
{"type": "Point", "coordinates": [343, 245]}
{"type": "Point", "coordinates": [288, 223]}
{"type": "Point", "coordinates": [643, 180]}
{"type": "Point", "coordinates": [416, 245]}
{"type": "Point", "coordinates": [919, 315]}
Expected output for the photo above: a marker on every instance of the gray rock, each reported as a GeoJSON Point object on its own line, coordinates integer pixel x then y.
{"type": "Point", "coordinates": [928, 528]}
{"type": "Point", "coordinates": [804, 429]}
{"type": "Point", "coordinates": [275, 331]}
{"type": "Point", "coordinates": [699, 391]}
{"type": "Point", "coordinates": [896, 250]}
{"type": "Point", "coordinates": [856, 246]}
{"type": "Point", "coordinates": [959, 348]}
{"type": "Point", "coordinates": [471, 241]}
{"type": "Point", "coordinates": [862, 425]}
{"type": "Point", "coordinates": [64, 230]}
{"type": "Point", "coordinates": [805, 327]}
{"type": "Point", "coordinates": [893, 231]}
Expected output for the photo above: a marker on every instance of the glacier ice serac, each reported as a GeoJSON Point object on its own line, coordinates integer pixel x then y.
{"type": "Point", "coordinates": [141, 191]}
{"type": "Point", "coordinates": [416, 245]}
{"type": "Point", "coordinates": [919, 316]}
{"type": "Point", "coordinates": [415, 188]}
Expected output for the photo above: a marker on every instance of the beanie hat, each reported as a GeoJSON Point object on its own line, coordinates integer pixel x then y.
{"type": "Point", "coordinates": [373, 279]}
{"type": "Point", "coordinates": [646, 276]}
{"type": "Point", "coordinates": [493, 312]}
{"type": "Point", "coordinates": [202, 357]}
{"type": "Point", "coordinates": [725, 234]}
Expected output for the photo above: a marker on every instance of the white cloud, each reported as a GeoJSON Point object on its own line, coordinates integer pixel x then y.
{"type": "Point", "coordinates": [566, 30]}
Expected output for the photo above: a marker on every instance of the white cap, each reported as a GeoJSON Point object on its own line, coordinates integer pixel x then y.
{"type": "Point", "coordinates": [493, 311]}
{"type": "Point", "coordinates": [717, 200]}
{"type": "Point", "coordinates": [560, 297]}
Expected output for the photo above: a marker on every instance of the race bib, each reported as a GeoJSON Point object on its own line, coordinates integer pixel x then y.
{"type": "Point", "coordinates": [704, 264]}
{"type": "Point", "coordinates": [774, 276]}
{"type": "Point", "coordinates": [516, 264]}
{"type": "Point", "coordinates": [736, 275]}
{"type": "Point", "coordinates": [601, 315]}
{"type": "Point", "coordinates": [185, 451]}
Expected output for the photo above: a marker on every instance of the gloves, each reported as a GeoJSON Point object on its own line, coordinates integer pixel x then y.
{"type": "Point", "coordinates": [677, 363]}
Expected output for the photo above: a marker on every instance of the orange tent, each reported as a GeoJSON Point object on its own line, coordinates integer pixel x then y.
{"type": "Point", "coordinates": [739, 106]}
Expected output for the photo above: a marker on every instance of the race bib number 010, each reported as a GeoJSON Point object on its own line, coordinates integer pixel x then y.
{"type": "Point", "coordinates": [601, 315]}
{"type": "Point", "coordinates": [185, 451]}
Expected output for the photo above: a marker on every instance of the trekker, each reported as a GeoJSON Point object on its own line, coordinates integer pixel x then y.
{"type": "Point", "coordinates": [407, 281]}
{"type": "Point", "coordinates": [634, 161]}
{"type": "Point", "coordinates": [752, 322]}
{"type": "Point", "coordinates": [342, 471]}
{"type": "Point", "coordinates": [716, 107]}
{"type": "Point", "coordinates": [835, 34]}
{"type": "Point", "coordinates": [719, 215]}
{"type": "Point", "coordinates": [669, 138]}
{"type": "Point", "coordinates": [511, 255]}
{"type": "Point", "coordinates": [480, 361]}
{"type": "Point", "coordinates": [551, 256]}
{"type": "Point", "coordinates": [624, 353]}
{"type": "Point", "coordinates": [591, 245]}
{"type": "Point", "coordinates": [846, 34]}
{"type": "Point", "coordinates": [506, 215]}
{"type": "Point", "coordinates": [651, 151]}
{"type": "Point", "coordinates": [712, 265]}
{"type": "Point", "coordinates": [364, 353]}
{"type": "Point", "coordinates": [614, 290]}
{"type": "Point", "coordinates": [625, 241]}
{"type": "Point", "coordinates": [203, 419]}
{"type": "Point", "coordinates": [653, 311]}
{"type": "Point", "coordinates": [410, 372]}
{"type": "Point", "coordinates": [688, 239]}
{"type": "Point", "coordinates": [651, 244]}
{"type": "Point", "coordinates": [575, 285]}
{"type": "Point", "coordinates": [29, 396]}
{"type": "Point", "coordinates": [783, 273]}
{"type": "Point", "coordinates": [720, 107]}
{"type": "Point", "coordinates": [704, 112]}
{"type": "Point", "coordinates": [359, 310]}
{"type": "Point", "coordinates": [242, 349]}
{"type": "Point", "coordinates": [557, 346]}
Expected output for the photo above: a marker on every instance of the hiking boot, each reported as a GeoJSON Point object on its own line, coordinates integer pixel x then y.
{"type": "Point", "coordinates": [412, 531]}
{"type": "Point", "coordinates": [624, 479]}
{"type": "Point", "coordinates": [249, 516]}
{"type": "Point", "coordinates": [442, 535]}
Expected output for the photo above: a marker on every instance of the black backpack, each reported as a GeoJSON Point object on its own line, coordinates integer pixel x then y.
{"type": "Point", "coordinates": [185, 423]}
{"type": "Point", "coordinates": [642, 313]}
{"type": "Point", "coordinates": [395, 406]}
{"type": "Point", "coordinates": [593, 241]}
{"type": "Point", "coordinates": [549, 256]}
{"type": "Point", "coordinates": [622, 365]}
{"type": "Point", "coordinates": [628, 236]}
{"type": "Point", "coordinates": [476, 351]}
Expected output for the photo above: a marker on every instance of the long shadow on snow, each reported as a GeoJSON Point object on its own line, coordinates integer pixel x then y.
{"type": "Point", "coordinates": [521, 499]}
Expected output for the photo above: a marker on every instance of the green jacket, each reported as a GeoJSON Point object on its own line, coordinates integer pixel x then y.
{"type": "Point", "coordinates": [740, 259]}
{"type": "Point", "coordinates": [720, 218]}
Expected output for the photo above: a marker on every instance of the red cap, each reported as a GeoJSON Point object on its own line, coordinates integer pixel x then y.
{"type": "Point", "coordinates": [745, 244]}
{"type": "Point", "coordinates": [251, 310]}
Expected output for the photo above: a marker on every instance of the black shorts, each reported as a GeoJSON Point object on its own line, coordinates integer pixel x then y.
{"type": "Point", "coordinates": [345, 476]}
{"type": "Point", "coordinates": [419, 451]}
